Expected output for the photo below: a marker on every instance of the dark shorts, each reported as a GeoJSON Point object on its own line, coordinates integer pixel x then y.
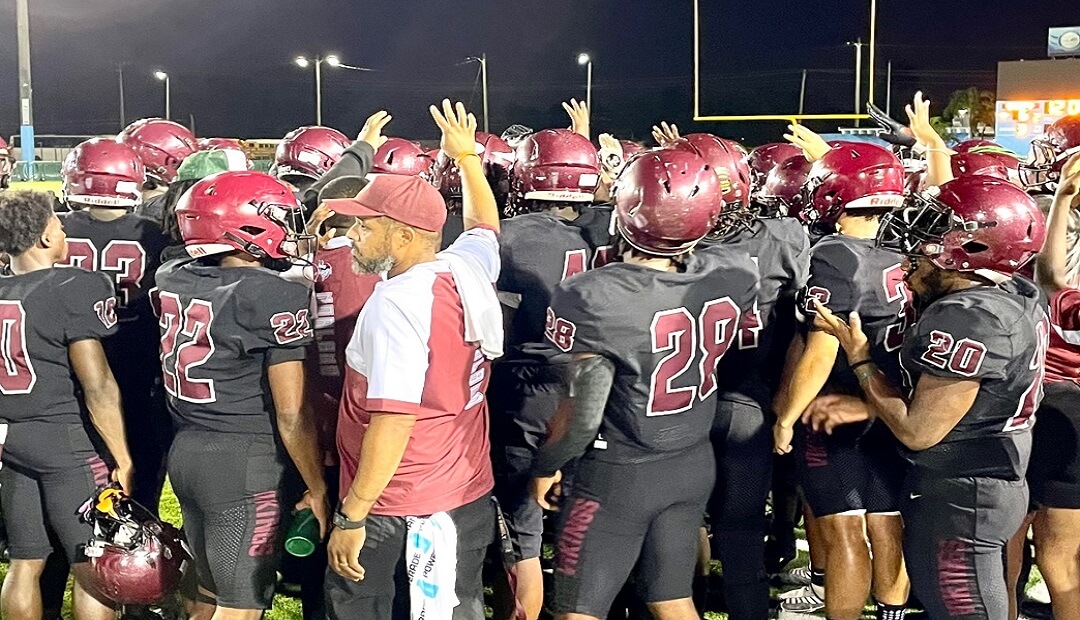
{"type": "Point", "coordinates": [43, 488]}
{"type": "Point", "coordinates": [383, 594]}
{"type": "Point", "coordinates": [955, 532]}
{"type": "Point", "coordinates": [617, 516]}
{"type": "Point", "coordinates": [849, 474]}
{"type": "Point", "coordinates": [230, 489]}
{"type": "Point", "coordinates": [522, 400]}
{"type": "Point", "coordinates": [1054, 473]}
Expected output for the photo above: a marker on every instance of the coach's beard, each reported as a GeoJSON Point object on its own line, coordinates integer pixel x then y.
{"type": "Point", "coordinates": [372, 265]}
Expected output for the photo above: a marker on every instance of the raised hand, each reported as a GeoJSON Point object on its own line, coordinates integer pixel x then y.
{"type": "Point", "coordinates": [665, 134]}
{"type": "Point", "coordinates": [458, 129]}
{"type": "Point", "coordinates": [579, 116]}
{"type": "Point", "coordinates": [918, 113]}
{"type": "Point", "coordinates": [895, 132]}
{"type": "Point", "coordinates": [372, 131]}
{"type": "Point", "coordinates": [813, 146]}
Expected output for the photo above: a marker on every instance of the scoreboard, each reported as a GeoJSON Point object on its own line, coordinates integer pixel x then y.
{"type": "Point", "coordinates": [1031, 95]}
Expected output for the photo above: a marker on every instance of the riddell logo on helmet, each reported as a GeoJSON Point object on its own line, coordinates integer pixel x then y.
{"type": "Point", "coordinates": [880, 201]}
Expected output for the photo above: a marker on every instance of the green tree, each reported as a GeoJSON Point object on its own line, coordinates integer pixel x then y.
{"type": "Point", "coordinates": [981, 105]}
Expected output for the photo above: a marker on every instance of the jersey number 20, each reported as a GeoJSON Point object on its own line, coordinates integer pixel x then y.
{"type": "Point", "coordinates": [706, 339]}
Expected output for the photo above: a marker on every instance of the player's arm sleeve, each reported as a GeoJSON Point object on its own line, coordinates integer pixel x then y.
{"type": "Point", "coordinates": [479, 247]}
{"type": "Point", "coordinates": [355, 161]}
{"type": "Point", "coordinates": [279, 321]}
{"type": "Point", "coordinates": [395, 341]}
{"type": "Point", "coordinates": [571, 326]}
{"type": "Point", "coordinates": [90, 299]}
{"type": "Point", "coordinates": [831, 281]}
{"type": "Point", "coordinates": [957, 342]}
{"type": "Point", "coordinates": [591, 379]}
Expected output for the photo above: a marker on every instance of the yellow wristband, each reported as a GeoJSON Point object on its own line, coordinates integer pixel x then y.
{"type": "Point", "coordinates": [457, 160]}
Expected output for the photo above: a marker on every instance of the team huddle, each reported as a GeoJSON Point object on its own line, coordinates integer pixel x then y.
{"type": "Point", "coordinates": [571, 374]}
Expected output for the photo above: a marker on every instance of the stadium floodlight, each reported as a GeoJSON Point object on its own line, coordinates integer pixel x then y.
{"type": "Point", "coordinates": [583, 59]}
{"type": "Point", "coordinates": [333, 61]}
{"type": "Point", "coordinates": [302, 62]}
{"type": "Point", "coordinates": [164, 77]}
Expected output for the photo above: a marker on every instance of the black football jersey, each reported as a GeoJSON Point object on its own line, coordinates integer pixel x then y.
{"type": "Point", "coordinates": [127, 250]}
{"type": "Point", "coordinates": [665, 332]}
{"type": "Point", "coordinates": [998, 336]}
{"type": "Point", "coordinates": [41, 313]}
{"type": "Point", "coordinates": [849, 274]}
{"type": "Point", "coordinates": [781, 251]}
{"type": "Point", "coordinates": [220, 328]}
{"type": "Point", "coordinates": [153, 208]}
{"type": "Point", "coordinates": [539, 250]}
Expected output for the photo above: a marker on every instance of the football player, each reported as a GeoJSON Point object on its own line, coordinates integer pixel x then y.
{"type": "Point", "coordinates": [102, 184]}
{"type": "Point", "coordinates": [162, 145]}
{"type": "Point", "coordinates": [1042, 171]}
{"type": "Point", "coordinates": [741, 432]}
{"type": "Point", "coordinates": [559, 233]}
{"type": "Point", "coordinates": [310, 157]}
{"type": "Point", "coordinates": [851, 479]}
{"type": "Point", "coordinates": [976, 359]}
{"type": "Point", "coordinates": [54, 320]}
{"type": "Point", "coordinates": [1054, 474]}
{"type": "Point", "coordinates": [645, 334]}
{"type": "Point", "coordinates": [233, 339]}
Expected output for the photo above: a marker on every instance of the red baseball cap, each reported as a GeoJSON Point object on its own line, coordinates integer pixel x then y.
{"type": "Point", "coordinates": [406, 199]}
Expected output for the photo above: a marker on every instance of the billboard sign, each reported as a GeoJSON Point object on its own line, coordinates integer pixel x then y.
{"type": "Point", "coordinates": [1063, 42]}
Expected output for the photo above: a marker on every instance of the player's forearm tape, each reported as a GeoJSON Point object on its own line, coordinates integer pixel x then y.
{"type": "Point", "coordinates": [590, 384]}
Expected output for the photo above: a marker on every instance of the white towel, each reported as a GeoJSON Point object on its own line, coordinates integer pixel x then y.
{"type": "Point", "coordinates": [483, 313]}
{"type": "Point", "coordinates": [431, 562]}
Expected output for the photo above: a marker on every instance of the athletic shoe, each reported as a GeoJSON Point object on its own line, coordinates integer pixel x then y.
{"type": "Point", "coordinates": [796, 577]}
{"type": "Point", "coordinates": [805, 600]}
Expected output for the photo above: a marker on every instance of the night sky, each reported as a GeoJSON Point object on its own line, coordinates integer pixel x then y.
{"type": "Point", "coordinates": [231, 61]}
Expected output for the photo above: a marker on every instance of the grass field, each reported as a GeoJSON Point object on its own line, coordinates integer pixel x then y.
{"type": "Point", "coordinates": [286, 608]}
{"type": "Point", "coordinates": [38, 186]}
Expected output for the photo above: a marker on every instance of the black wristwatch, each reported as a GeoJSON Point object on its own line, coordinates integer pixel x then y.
{"type": "Point", "coordinates": [344, 523]}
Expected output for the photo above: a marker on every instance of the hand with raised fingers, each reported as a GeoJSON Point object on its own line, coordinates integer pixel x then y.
{"type": "Point", "coordinates": [458, 129]}
{"type": "Point", "coordinates": [579, 117]}
{"type": "Point", "coordinates": [813, 146]}
{"type": "Point", "coordinates": [665, 134]}
{"type": "Point", "coordinates": [372, 131]}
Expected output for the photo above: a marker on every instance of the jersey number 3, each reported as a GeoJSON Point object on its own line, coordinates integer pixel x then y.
{"type": "Point", "coordinates": [678, 332]}
{"type": "Point", "coordinates": [186, 343]}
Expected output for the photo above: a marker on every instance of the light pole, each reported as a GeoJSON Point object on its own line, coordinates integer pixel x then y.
{"type": "Point", "coordinates": [482, 59]}
{"type": "Point", "coordinates": [164, 77]}
{"type": "Point", "coordinates": [584, 59]}
{"type": "Point", "coordinates": [26, 104]}
{"type": "Point", "coordinates": [304, 63]}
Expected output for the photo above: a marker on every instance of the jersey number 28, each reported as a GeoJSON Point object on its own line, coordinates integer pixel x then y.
{"type": "Point", "coordinates": [706, 339]}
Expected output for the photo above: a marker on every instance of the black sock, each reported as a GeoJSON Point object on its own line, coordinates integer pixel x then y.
{"type": "Point", "coordinates": [700, 589]}
{"type": "Point", "coordinates": [817, 577]}
{"type": "Point", "coordinates": [891, 612]}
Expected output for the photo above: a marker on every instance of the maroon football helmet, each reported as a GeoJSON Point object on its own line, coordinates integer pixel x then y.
{"type": "Point", "coordinates": [309, 152]}
{"type": "Point", "coordinates": [497, 158]}
{"type": "Point", "coordinates": [724, 156]}
{"type": "Point", "coordinates": [968, 145]}
{"type": "Point", "coordinates": [972, 223]}
{"type": "Point", "coordinates": [1042, 170]}
{"type": "Point", "coordinates": [554, 165]}
{"type": "Point", "coordinates": [666, 201]}
{"type": "Point", "coordinates": [781, 193]}
{"type": "Point", "coordinates": [766, 158]}
{"type": "Point", "coordinates": [135, 558]}
{"type": "Point", "coordinates": [852, 176]}
{"type": "Point", "coordinates": [402, 157]}
{"type": "Point", "coordinates": [248, 211]}
{"type": "Point", "coordinates": [161, 144]}
{"type": "Point", "coordinates": [103, 173]}
{"type": "Point", "coordinates": [975, 163]}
